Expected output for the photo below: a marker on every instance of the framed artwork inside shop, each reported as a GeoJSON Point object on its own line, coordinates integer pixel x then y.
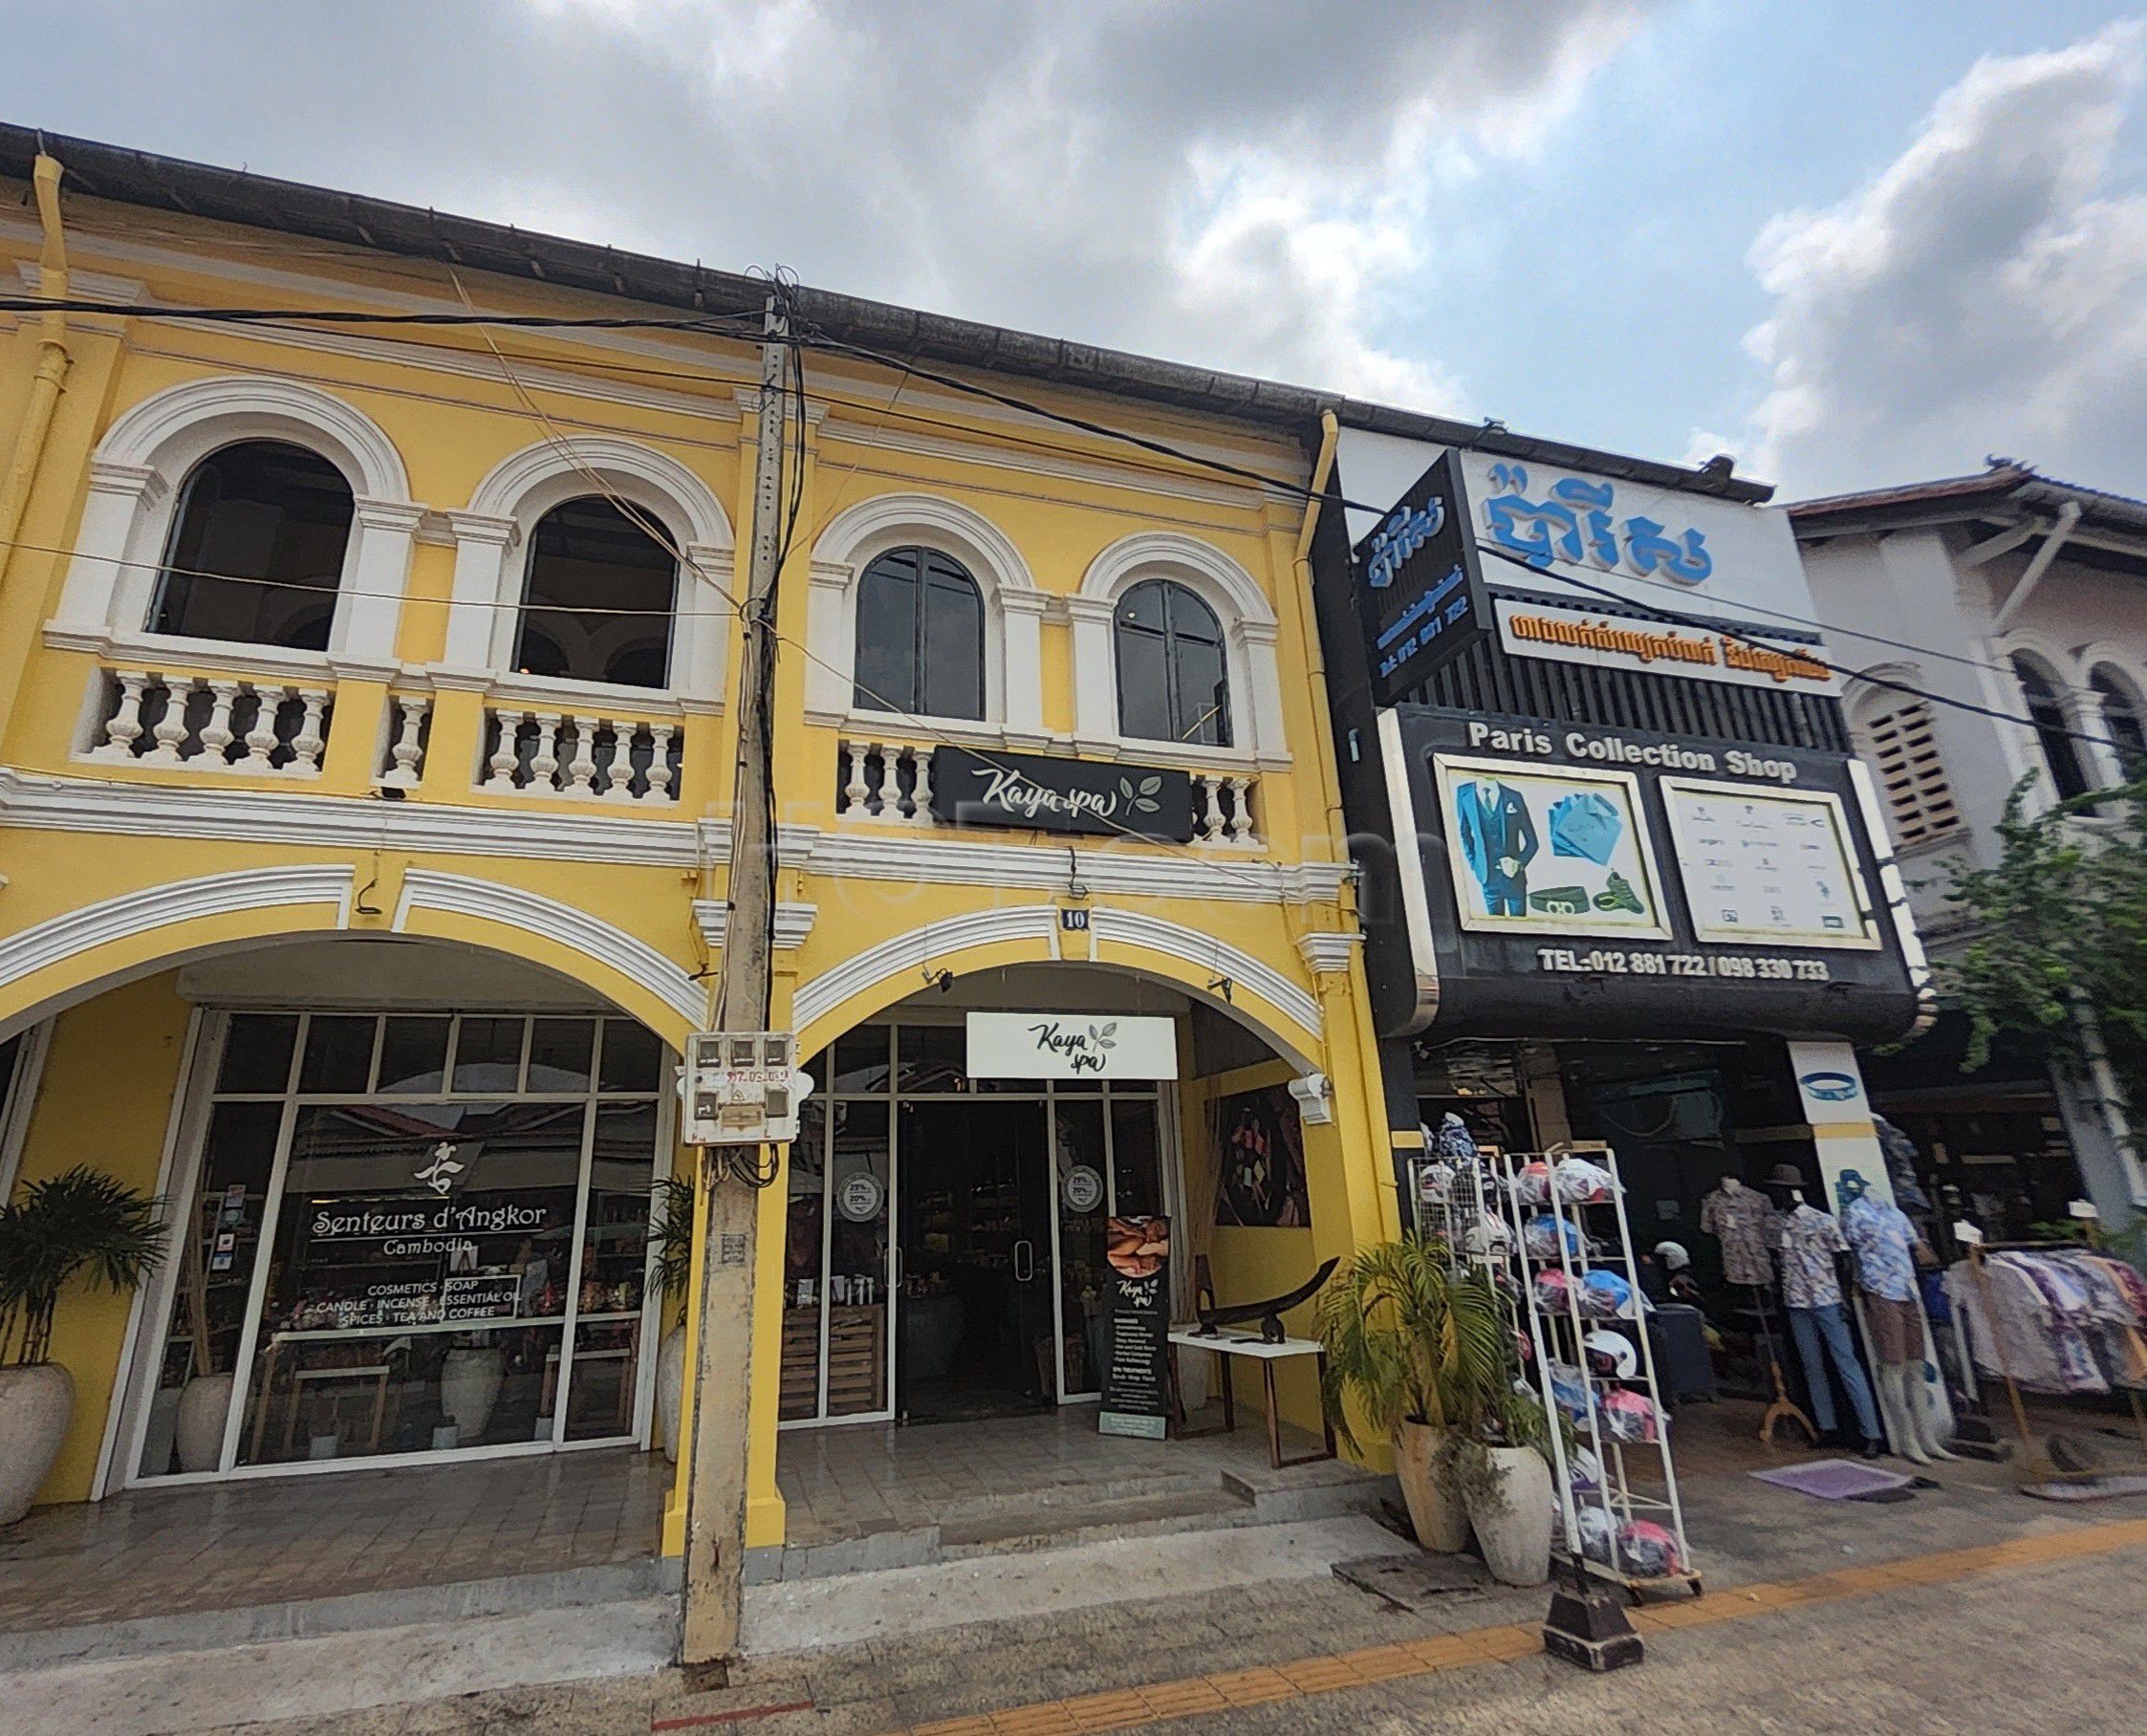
{"type": "Point", "coordinates": [945, 1237]}
{"type": "Point", "coordinates": [1548, 848]}
{"type": "Point", "coordinates": [405, 1236]}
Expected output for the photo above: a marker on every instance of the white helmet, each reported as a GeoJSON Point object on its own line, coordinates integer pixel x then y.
{"type": "Point", "coordinates": [1615, 1346]}
{"type": "Point", "coordinates": [1673, 1255]}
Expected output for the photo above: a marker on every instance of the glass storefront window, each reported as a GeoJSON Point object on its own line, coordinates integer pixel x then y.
{"type": "Point", "coordinates": [1080, 1183]}
{"type": "Point", "coordinates": [429, 1250]}
{"type": "Point", "coordinates": [258, 1052]}
{"type": "Point", "coordinates": [857, 1302]}
{"type": "Point", "coordinates": [413, 1053]}
{"type": "Point", "coordinates": [805, 1223]}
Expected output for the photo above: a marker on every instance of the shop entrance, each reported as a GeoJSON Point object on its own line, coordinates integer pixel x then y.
{"type": "Point", "coordinates": [944, 1254]}
{"type": "Point", "coordinates": [976, 1261]}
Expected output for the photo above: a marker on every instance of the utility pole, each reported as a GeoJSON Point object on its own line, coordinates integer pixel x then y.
{"type": "Point", "coordinates": [715, 1518]}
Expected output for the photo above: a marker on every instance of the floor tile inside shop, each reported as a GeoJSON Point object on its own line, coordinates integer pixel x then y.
{"type": "Point", "coordinates": [273, 1540]}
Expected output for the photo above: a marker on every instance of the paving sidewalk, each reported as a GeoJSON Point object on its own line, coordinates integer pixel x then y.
{"type": "Point", "coordinates": [1784, 1572]}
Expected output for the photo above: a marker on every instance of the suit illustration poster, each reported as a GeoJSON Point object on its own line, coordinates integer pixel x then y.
{"type": "Point", "coordinates": [1551, 850]}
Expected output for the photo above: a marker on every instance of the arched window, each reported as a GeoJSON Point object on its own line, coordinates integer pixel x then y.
{"type": "Point", "coordinates": [599, 600]}
{"type": "Point", "coordinates": [920, 636]}
{"type": "Point", "coordinates": [2124, 721]}
{"type": "Point", "coordinates": [2061, 753]}
{"type": "Point", "coordinates": [1898, 736]}
{"type": "Point", "coordinates": [256, 549]}
{"type": "Point", "coordinates": [1174, 682]}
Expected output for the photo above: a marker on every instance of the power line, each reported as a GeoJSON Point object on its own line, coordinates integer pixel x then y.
{"type": "Point", "coordinates": [1702, 624]}
{"type": "Point", "coordinates": [817, 336]}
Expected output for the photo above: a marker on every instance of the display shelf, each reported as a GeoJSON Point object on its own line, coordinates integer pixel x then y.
{"type": "Point", "coordinates": [1559, 1334]}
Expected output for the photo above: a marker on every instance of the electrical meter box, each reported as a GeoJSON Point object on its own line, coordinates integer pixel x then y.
{"type": "Point", "coordinates": [742, 1088]}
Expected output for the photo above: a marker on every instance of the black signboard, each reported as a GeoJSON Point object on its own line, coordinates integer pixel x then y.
{"type": "Point", "coordinates": [1035, 792]}
{"type": "Point", "coordinates": [1420, 593]}
{"type": "Point", "coordinates": [1582, 881]}
{"type": "Point", "coordinates": [1137, 1364]}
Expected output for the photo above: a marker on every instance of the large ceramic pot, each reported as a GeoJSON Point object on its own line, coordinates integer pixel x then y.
{"type": "Point", "coordinates": [203, 1406]}
{"type": "Point", "coordinates": [470, 1386]}
{"type": "Point", "coordinates": [1436, 1510]}
{"type": "Point", "coordinates": [36, 1403]}
{"type": "Point", "coordinates": [670, 1390]}
{"type": "Point", "coordinates": [1511, 1511]}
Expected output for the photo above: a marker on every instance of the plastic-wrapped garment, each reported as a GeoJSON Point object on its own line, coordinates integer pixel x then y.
{"type": "Point", "coordinates": [1606, 1295]}
{"type": "Point", "coordinates": [1648, 1549]}
{"type": "Point", "coordinates": [1586, 1471]}
{"type": "Point", "coordinates": [1540, 1236]}
{"type": "Point", "coordinates": [1631, 1417]}
{"type": "Point", "coordinates": [1580, 1183]}
{"type": "Point", "coordinates": [1553, 1292]}
{"type": "Point", "coordinates": [1569, 1392]}
{"type": "Point", "coordinates": [1452, 1140]}
{"type": "Point", "coordinates": [1532, 1186]}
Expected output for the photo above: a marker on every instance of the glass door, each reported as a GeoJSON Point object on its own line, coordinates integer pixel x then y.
{"type": "Point", "coordinates": [977, 1284]}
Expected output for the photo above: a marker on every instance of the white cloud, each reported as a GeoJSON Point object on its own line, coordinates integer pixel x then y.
{"type": "Point", "coordinates": [1988, 292]}
{"type": "Point", "coordinates": [1245, 186]}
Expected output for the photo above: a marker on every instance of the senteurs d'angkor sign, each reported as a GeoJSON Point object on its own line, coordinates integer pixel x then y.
{"type": "Point", "coordinates": [1037, 792]}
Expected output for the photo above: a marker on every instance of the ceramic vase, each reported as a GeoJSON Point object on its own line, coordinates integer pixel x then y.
{"type": "Point", "coordinates": [1436, 1510]}
{"type": "Point", "coordinates": [36, 1403]}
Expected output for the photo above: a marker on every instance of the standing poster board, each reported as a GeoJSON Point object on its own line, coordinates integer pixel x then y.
{"type": "Point", "coordinates": [1137, 1362]}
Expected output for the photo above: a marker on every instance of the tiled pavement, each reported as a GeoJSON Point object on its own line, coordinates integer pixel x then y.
{"type": "Point", "coordinates": [269, 1540]}
{"type": "Point", "coordinates": [839, 1482]}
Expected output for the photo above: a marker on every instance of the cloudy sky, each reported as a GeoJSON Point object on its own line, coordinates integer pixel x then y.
{"type": "Point", "coordinates": [1851, 244]}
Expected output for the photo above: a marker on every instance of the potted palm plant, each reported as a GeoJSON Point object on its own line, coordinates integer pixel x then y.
{"type": "Point", "coordinates": [80, 1224]}
{"type": "Point", "coordinates": [1424, 1354]}
{"type": "Point", "coordinates": [670, 1232]}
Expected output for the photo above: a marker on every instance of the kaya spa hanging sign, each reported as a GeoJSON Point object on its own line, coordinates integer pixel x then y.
{"type": "Point", "coordinates": [1136, 1357]}
{"type": "Point", "coordinates": [1037, 792]}
{"type": "Point", "coordinates": [1071, 1046]}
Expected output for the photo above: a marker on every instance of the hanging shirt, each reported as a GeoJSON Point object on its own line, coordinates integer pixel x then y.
{"type": "Point", "coordinates": [1883, 1240]}
{"type": "Point", "coordinates": [1745, 1223]}
{"type": "Point", "coordinates": [1810, 1240]}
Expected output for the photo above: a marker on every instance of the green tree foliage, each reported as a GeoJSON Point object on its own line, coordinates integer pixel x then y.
{"type": "Point", "coordinates": [2057, 946]}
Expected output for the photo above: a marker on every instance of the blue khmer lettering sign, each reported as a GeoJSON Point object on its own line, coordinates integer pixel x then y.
{"type": "Point", "coordinates": [1577, 521]}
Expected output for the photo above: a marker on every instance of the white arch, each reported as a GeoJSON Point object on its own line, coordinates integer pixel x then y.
{"type": "Point", "coordinates": [529, 484]}
{"type": "Point", "coordinates": [1248, 632]}
{"type": "Point", "coordinates": [1014, 605]}
{"type": "Point", "coordinates": [1203, 568]}
{"type": "Point", "coordinates": [483, 615]}
{"type": "Point", "coordinates": [145, 455]}
{"type": "Point", "coordinates": [63, 937]}
{"type": "Point", "coordinates": [548, 919]}
{"type": "Point", "coordinates": [1121, 931]}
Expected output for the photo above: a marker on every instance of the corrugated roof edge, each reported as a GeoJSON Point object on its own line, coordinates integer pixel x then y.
{"type": "Point", "coordinates": [2002, 483]}
{"type": "Point", "coordinates": [204, 191]}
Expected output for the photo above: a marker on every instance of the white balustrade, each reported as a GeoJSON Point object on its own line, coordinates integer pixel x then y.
{"type": "Point", "coordinates": [588, 756]}
{"type": "Point", "coordinates": [263, 729]}
{"type": "Point", "coordinates": [406, 746]}
{"type": "Point", "coordinates": [1222, 811]}
{"type": "Point", "coordinates": [888, 782]}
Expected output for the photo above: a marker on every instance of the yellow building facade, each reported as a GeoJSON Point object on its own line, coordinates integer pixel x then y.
{"type": "Point", "coordinates": [366, 774]}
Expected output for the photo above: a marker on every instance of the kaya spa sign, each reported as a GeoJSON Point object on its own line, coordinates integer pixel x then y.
{"type": "Point", "coordinates": [1037, 792]}
{"type": "Point", "coordinates": [1072, 1046]}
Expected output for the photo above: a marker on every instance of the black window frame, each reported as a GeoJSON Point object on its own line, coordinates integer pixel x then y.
{"type": "Point", "coordinates": [932, 687]}
{"type": "Point", "coordinates": [2124, 719]}
{"type": "Point", "coordinates": [542, 621]}
{"type": "Point", "coordinates": [1196, 722]}
{"type": "Point", "coordinates": [183, 578]}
